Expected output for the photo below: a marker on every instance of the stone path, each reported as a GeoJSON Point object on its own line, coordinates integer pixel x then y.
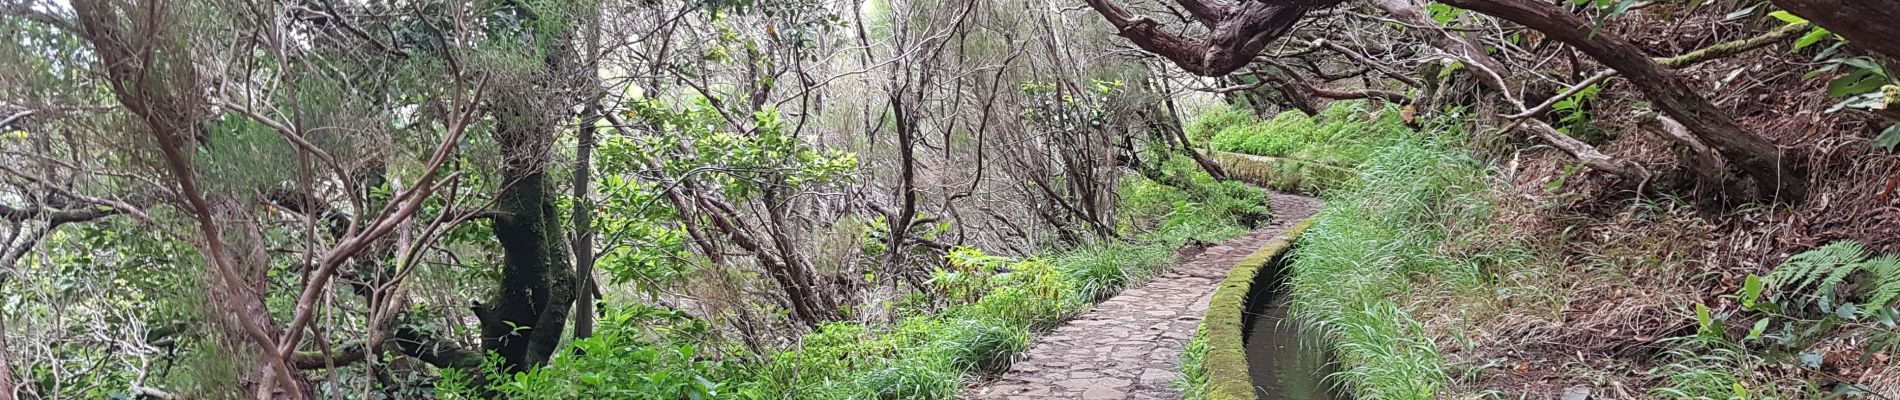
{"type": "Point", "coordinates": [1129, 347]}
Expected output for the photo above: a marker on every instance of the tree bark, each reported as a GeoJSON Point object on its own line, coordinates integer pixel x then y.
{"type": "Point", "coordinates": [6, 361]}
{"type": "Point", "coordinates": [1873, 25]}
{"type": "Point", "coordinates": [1238, 31]}
{"type": "Point", "coordinates": [524, 321]}
{"type": "Point", "coordinates": [583, 215]}
{"type": "Point", "coordinates": [1754, 155]}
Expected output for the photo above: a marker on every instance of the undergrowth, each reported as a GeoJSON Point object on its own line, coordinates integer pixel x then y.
{"type": "Point", "coordinates": [1380, 230]}
{"type": "Point", "coordinates": [1377, 234]}
{"type": "Point", "coordinates": [1193, 381]}
{"type": "Point", "coordinates": [1344, 134]}
{"type": "Point", "coordinates": [1414, 234]}
{"type": "Point", "coordinates": [990, 305]}
{"type": "Point", "coordinates": [1811, 308]}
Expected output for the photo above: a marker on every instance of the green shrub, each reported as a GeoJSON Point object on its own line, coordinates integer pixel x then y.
{"type": "Point", "coordinates": [640, 352]}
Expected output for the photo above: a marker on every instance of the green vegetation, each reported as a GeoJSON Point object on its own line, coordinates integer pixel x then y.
{"type": "Point", "coordinates": [1380, 230]}
{"type": "Point", "coordinates": [693, 199]}
{"type": "Point", "coordinates": [1214, 363]}
{"type": "Point", "coordinates": [1416, 235]}
{"type": "Point", "coordinates": [1345, 134]}
{"type": "Point", "coordinates": [1295, 152]}
{"type": "Point", "coordinates": [1375, 236]}
{"type": "Point", "coordinates": [1829, 294]}
{"type": "Point", "coordinates": [989, 305]}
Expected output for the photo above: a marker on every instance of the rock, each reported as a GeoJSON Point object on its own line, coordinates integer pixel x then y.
{"type": "Point", "coordinates": [1103, 393]}
{"type": "Point", "coordinates": [1577, 393]}
{"type": "Point", "coordinates": [1152, 376]}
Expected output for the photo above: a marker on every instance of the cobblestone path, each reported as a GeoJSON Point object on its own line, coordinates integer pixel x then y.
{"type": "Point", "coordinates": [1129, 347]}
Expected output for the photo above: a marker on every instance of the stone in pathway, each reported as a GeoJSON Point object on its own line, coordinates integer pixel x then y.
{"type": "Point", "coordinates": [1129, 347]}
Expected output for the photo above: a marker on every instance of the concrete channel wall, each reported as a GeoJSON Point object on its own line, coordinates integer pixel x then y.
{"type": "Point", "coordinates": [1225, 365]}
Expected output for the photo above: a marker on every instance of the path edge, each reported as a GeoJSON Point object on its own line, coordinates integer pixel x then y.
{"type": "Point", "coordinates": [1224, 363]}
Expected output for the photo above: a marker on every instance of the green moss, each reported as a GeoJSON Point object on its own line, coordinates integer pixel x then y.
{"type": "Point", "coordinates": [1283, 174]}
{"type": "Point", "coordinates": [1215, 362]}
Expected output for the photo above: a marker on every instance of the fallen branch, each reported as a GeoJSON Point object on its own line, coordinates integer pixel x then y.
{"type": "Point", "coordinates": [1732, 48]}
{"type": "Point", "coordinates": [1753, 154]}
{"type": "Point", "coordinates": [1706, 161]}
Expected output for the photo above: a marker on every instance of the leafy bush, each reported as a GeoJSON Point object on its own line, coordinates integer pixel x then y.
{"type": "Point", "coordinates": [640, 352]}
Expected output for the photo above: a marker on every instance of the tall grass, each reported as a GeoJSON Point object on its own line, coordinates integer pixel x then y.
{"type": "Point", "coordinates": [1376, 233]}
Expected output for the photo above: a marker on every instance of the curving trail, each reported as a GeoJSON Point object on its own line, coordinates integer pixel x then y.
{"type": "Point", "coordinates": [1129, 347]}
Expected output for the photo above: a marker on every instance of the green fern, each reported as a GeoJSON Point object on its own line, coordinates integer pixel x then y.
{"type": "Point", "coordinates": [1822, 270]}
{"type": "Point", "coordinates": [1886, 279]}
{"type": "Point", "coordinates": [1809, 267]}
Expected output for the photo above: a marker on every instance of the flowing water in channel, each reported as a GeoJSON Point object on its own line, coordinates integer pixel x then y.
{"type": "Point", "coordinates": [1283, 367]}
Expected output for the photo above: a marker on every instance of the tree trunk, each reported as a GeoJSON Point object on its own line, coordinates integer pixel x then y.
{"type": "Point", "coordinates": [1753, 154]}
{"type": "Point", "coordinates": [1489, 73]}
{"type": "Point", "coordinates": [524, 321]}
{"type": "Point", "coordinates": [906, 191]}
{"type": "Point", "coordinates": [1873, 25]}
{"type": "Point", "coordinates": [583, 214]}
{"type": "Point", "coordinates": [6, 365]}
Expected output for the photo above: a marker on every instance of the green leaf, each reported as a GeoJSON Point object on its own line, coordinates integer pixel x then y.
{"type": "Point", "coordinates": [1751, 291]}
{"type": "Point", "coordinates": [1813, 36]}
{"type": "Point", "coordinates": [1443, 14]}
{"type": "Point", "coordinates": [1858, 82]}
{"type": "Point", "coordinates": [1889, 138]}
{"type": "Point", "coordinates": [1760, 327]}
{"type": "Point", "coordinates": [1866, 64]}
{"type": "Point", "coordinates": [1847, 311]}
{"type": "Point", "coordinates": [1788, 17]}
{"type": "Point", "coordinates": [1811, 358]}
{"type": "Point", "coordinates": [1447, 70]}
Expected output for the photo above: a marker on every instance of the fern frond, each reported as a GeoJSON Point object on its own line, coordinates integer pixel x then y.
{"type": "Point", "coordinates": [1886, 280]}
{"type": "Point", "coordinates": [1817, 266]}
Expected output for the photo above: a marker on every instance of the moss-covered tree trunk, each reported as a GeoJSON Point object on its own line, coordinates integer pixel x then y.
{"type": "Point", "coordinates": [524, 321]}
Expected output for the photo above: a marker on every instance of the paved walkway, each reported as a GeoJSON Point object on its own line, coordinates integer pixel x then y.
{"type": "Point", "coordinates": [1129, 347]}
